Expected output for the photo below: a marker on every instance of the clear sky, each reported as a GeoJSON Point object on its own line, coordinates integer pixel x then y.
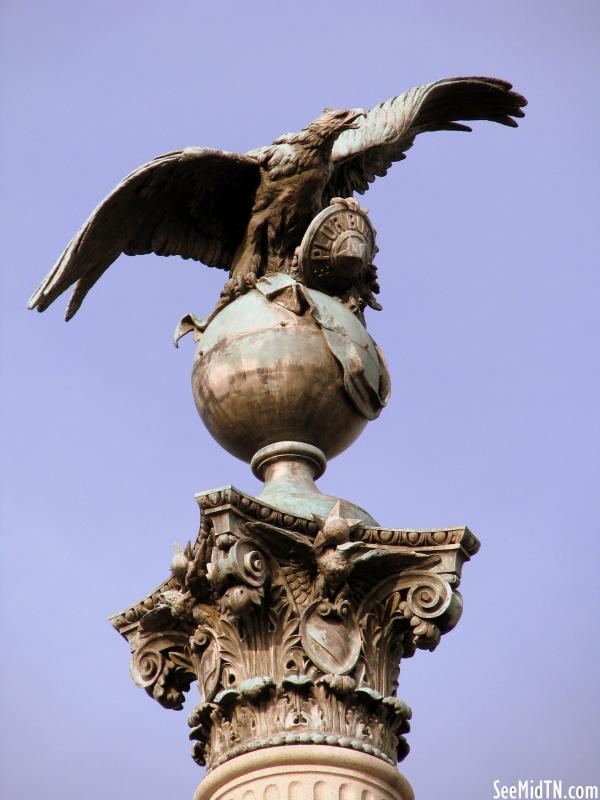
{"type": "Point", "coordinates": [490, 279]}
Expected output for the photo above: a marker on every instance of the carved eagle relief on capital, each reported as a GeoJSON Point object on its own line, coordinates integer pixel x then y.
{"type": "Point", "coordinates": [294, 628]}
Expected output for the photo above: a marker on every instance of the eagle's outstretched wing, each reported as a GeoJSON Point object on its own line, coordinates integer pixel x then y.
{"type": "Point", "coordinates": [381, 137]}
{"type": "Point", "coordinates": [377, 563]}
{"type": "Point", "coordinates": [295, 556]}
{"type": "Point", "coordinates": [195, 203]}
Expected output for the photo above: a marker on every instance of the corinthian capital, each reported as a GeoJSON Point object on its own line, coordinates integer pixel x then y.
{"type": "Point", "coordinates": [294, 628]}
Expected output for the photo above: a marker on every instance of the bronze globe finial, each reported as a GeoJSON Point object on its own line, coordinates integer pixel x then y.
{"type": "Point", "coordinates": [291, 609]}
{"type": "Point", "coordinates": [285, 356]}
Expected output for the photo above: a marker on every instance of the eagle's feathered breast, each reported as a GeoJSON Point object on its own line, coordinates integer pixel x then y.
{"type": "Point", "coordinates": [293, 177]}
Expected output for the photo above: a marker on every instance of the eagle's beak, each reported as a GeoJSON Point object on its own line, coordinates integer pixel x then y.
{"type": "Point", "coordinates": [354, 115]}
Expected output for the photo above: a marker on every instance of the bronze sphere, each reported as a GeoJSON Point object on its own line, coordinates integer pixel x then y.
{"type": "Point", "coordinates": [264, 374]}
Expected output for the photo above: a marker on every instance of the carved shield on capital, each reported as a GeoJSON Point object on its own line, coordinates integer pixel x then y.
{"type": "Point", "coordinates": [331, 636]}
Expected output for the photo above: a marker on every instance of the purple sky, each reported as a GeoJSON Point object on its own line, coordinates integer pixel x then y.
{"type": "Point", "coordinates": [490, 278]}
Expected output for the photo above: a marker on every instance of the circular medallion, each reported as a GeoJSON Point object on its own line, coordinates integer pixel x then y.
{"type": "Point", "coordinates": [337, 246]}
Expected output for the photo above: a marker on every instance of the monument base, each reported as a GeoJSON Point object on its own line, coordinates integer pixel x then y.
{"type": "Point", "coordinates": [305, 772]}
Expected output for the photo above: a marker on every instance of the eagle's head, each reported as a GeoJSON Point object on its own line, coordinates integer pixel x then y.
{"type": "Point", "coordinates": [324, 130]}
{"type": "Point", "coordinates": [332, 122]}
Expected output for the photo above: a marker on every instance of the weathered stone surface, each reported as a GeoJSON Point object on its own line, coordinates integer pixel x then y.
{"type": "Point", "coordinates": [294, 628]}
{"type": "Point", "coordinates": [306, 773]}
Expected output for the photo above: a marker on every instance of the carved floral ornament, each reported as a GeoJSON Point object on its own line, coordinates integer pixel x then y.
{"type": "Point", "coordinates": [294, 628]}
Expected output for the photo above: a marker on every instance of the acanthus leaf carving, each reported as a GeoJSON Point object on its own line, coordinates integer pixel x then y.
{"type": "Point", "coordinates": [161, 665]}
{"type": "Point", "coordinates": [294, 629]}
{"type": "Point", "coordinates": [207, 660]}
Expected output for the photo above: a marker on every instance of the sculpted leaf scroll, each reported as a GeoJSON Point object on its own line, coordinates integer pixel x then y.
{"type": "Point", "coordinates": [207, 660]}
{"type": "Point", "coordinates": [162, 666]}
{"type": "Point", "coordinates": [238, 574]}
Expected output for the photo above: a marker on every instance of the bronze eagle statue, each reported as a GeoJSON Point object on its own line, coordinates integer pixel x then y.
{"type": "Point", "coordinates": [248, 213]}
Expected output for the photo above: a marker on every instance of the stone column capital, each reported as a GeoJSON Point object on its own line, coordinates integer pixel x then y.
{"type": "Point", "coordinates": [294, 628]}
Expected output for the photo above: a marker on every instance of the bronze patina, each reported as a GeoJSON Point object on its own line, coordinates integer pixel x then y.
{"type": "Point", "coordinates": [292, 609]}
{"type": "Point", "coordinates": [248, 213]}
